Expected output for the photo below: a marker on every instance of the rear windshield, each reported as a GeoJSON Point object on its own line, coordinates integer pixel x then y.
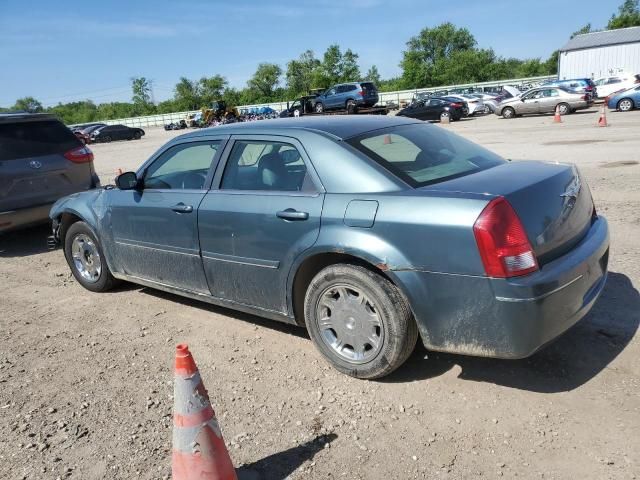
{"type": "Point", "coordinates": [35, 139]}
{"type": "Point", "coordinates": [423, 154]}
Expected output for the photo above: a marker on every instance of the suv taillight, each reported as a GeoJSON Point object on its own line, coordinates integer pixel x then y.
{"type": "Point", "coordinates": [502, 242]}
{"type": "Point", "coordinates": [361, 93]}
{"type": "Point", "coordinates": [79, 155]}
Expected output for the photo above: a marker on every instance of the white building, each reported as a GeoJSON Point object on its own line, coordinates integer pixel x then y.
{"type": "Point", "coordinates": [599, 54]}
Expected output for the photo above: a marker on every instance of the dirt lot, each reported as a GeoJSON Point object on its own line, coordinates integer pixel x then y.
{"type": "Point", "coordinates": [86, 379]}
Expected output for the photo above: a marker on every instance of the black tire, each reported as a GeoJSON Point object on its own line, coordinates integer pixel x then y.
{"type": "Point", "coordinates": [106, 139]}
{"type": "Point", "coordinates": [319, 107]}
{"type": "Point", "coordinates": [398, 330]}
{"type": "Point", "coordinates": [564, 108]}
{"type": "Point", "coordinates": [137, 136]}
{"type": "Point", "coordinates": [351, 106]}
{"type": "Point", "coordinates": [625, 105]}
{"type": "Point", "coordinates": [508, 112]}
{"type": "Point", "coordinates": [105, 281]}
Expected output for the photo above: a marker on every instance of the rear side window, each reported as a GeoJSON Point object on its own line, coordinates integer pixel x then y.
{"type": "Point", "coordinates": [423, 154]}
{"type": "Point", "coordinates": [35, 139]}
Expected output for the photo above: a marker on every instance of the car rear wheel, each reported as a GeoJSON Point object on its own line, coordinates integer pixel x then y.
{"type": "Point", "coordinates": [359, 321]}
{"type": "Point", "coordinates": [319, 107]}
{"type": "Point", "coordinates": [625, 105]}
{"type": "Point", "coordinates": [508, 112]}
{"type": "Point", "coordinates": [564, 108]}
{"type": "Point", "coordinates": [106, 139]}
{"type": "Point", "coordinates": [86, 259]}
{"type": "Point", "coordinates": [351, 106]}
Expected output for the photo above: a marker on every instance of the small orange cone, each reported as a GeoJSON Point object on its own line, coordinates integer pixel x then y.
{"type": "Point", "coordinates": [557, 118]}
{"type": "Point", "coordinates": [199, 452]}
{"type": "Point", "coordinates": [387, 139]}
{"type": "Point", "coordinates": [602, 121]}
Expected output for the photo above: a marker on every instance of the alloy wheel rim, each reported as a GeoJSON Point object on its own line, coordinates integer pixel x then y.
{"type": "Point", "coordinates": [625, 105]}
{"type": "Point", "coordinates": [86, 258]}
{"type": "Point", "coordinates": [349, 323]}
{"type": "Point", "coordinates": [563, 109]}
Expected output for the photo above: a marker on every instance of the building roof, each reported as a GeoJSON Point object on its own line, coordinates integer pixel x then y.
{"type": "Point", "coordinates": [603, 39]}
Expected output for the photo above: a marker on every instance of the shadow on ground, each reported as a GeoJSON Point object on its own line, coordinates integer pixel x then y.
{"type": "Point", "coordinates": [227, 312]}
{"type": "Point", "coordinates": [23, 243]}
{"type": "Point", "coordinates": [280, 465]}
{"type": "Point", "coordinates": [572, 360]}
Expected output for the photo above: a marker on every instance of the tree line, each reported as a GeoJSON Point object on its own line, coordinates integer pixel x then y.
{"type": "Point", "coordinates": [442, 55]}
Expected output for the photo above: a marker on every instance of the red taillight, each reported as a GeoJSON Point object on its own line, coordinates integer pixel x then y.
{"type": "Point", "coordinates": [588, 88]}
{"type": "Point", "coordinates": [502, 242]}
{"type": "Point", "coordinates": [79, 155]}
{"type": "Point", "coordinates": [456, 105]}
{"type": "Point", "coordinates": [361, 93]}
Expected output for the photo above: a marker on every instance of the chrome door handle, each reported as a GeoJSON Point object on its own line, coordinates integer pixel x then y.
{"type": "Point", "coordinates": [291, 214]}
{"type": "Point", "coordinates": [182, 208]}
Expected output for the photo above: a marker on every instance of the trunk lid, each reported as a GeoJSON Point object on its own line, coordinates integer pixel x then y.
{"type": "Point", "coordinates": [551, 200]}
{"type": "Point", "coordinates": [33, 169]}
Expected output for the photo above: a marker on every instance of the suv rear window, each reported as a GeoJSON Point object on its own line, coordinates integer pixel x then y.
{"type": "Point", "coordinates": [35, 139]}
{"type": "Point", "coordinates": [423, 154]}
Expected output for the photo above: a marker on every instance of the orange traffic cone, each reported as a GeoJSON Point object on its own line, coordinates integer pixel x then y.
{"type": "Point", "coordinates": [198, 447]}
{"type": "Point", "coordinates": [602, 121]}
{"type": "Point", "coordinates": [557, 118]}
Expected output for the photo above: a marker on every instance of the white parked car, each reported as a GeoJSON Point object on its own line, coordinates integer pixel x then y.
{"type": "Point", "coordinates": [620, 81]}
{"type": "Point", "coordinates": [476, 105]}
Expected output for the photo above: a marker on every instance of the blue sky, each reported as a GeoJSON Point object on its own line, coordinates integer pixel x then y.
{"type": "Point", "coordinates": [59, 51]}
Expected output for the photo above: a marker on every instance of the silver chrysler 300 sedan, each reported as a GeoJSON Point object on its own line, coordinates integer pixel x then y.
{"type": "Point", "coordinates": [370, 232]}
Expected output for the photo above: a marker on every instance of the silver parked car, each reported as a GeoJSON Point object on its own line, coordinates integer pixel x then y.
{"type": "Point", "coordinates": [40, 161]}
{"type": "Point", "coordinates": [544, 100]}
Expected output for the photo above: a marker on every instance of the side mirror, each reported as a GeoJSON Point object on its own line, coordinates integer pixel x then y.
{"type": "Point", "coordinates": [127, 181]}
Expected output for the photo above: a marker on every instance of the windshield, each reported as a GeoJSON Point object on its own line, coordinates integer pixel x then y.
{"type": "Point", "coordinates": [422, 154]}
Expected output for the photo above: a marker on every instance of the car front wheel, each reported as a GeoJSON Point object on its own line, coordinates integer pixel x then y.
{"type": "Point", "coordinates": [508, 112]}
{"type": "Point", "coordinates": [625, 105]}
{"type": "Point", "coordinates": [84, 255]}
{"type": "Point", "coordinates": [319, 107]}
{"type": "Point", "coordinates": [359, 321]}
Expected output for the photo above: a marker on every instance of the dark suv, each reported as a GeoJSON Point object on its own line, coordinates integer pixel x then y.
{"type": "Point", "coordinates": [349, 96]}
{"type": "Point", "coordinates": [40, 161]}
{"type": "Point", "coordinates": [581, 85]}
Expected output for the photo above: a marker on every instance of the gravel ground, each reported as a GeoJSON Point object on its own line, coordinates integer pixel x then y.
{"type": "Point", "coordinates": [86, 379]}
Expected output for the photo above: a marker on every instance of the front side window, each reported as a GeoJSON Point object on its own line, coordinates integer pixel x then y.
{"type": "Point", "coordinates": [423, 154]}
{"type": "Point", "coordinates": [265, 165]}
{"type": "Point", "coordinates": [182, 167]}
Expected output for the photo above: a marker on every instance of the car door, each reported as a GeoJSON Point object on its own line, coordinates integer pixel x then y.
{"type": "Point", "coordinates": [529, 103]}
{"type": "Point", "coordinates": [432, 109]}
{"type": "Point", "coordinates": [155, 227]}
{"type": "Point", "coordinates": [265, 212]}
{"type": "Point", "coordinates": [548, 100]}
{"type": "Point", "coordinates": [330, 98]}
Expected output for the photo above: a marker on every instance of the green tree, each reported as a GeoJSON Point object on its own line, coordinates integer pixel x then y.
{"type": "Point", "coordinates": [373, 75]}
{"type": "Point", "coordinates": [264, 82]}
{"type": "Point", "coordinates": [628, 16]}
{"type": "Point", "coordinates": [210, 89]}
{"type": "Point", "coordinates": [551, 65]}
{"type": "Point", "coordinates": [349, 69]}
{"type": "Point", "coordinates": [585, 29]}
{"type": "Point", "coordinates": [28, 104]}
{"type": "Point", "coordinates": [431, 47]}
{"type": "Point", "coordinates": [186, 95]}
{"type": "Point", "coordinates": [141, 88]}
{"type": "Point", "coordinates": [301, 74]}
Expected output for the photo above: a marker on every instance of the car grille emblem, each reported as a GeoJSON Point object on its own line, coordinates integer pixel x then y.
{"type": "Point", "coordinates": [35, 164]}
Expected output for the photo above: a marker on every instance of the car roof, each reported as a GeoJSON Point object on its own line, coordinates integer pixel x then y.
{"type": "Point", "coordinates": [337, 126]}
{"type": "Point", "coordinates": [14, 117]}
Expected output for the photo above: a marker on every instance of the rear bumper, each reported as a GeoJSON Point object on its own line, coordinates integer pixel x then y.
{"type": "Point", "coordinates": [24, 217]}
{"type": "Point", "coordinates": [509, 318]}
